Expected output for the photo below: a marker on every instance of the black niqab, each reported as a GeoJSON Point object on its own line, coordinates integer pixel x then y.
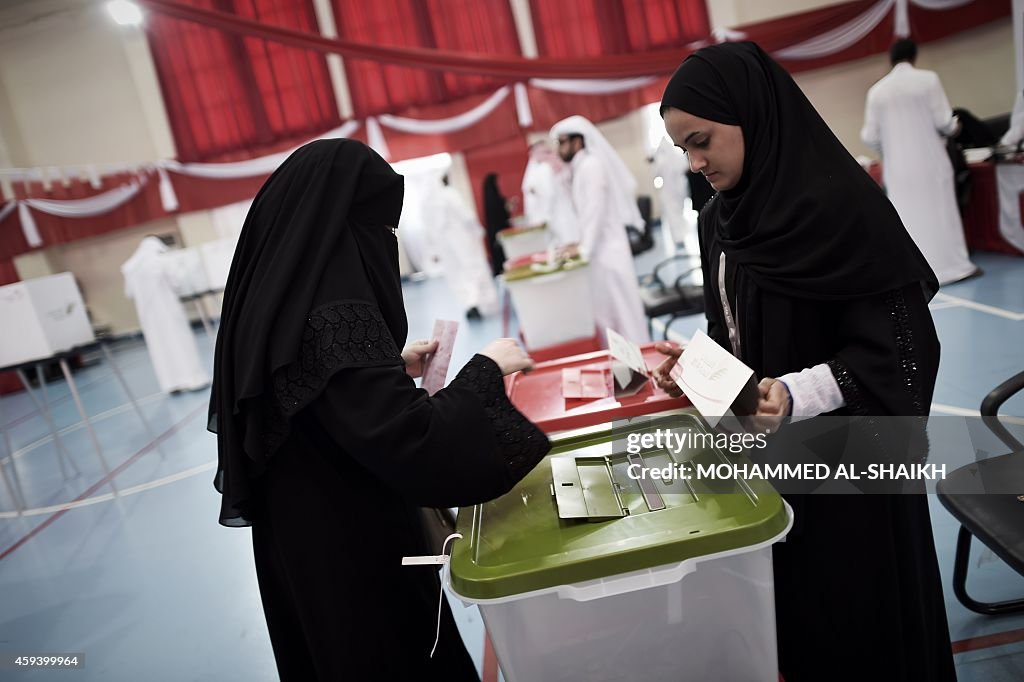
{"type": "Point", "coordinates": [319, 231]}
{"type": "Point", "coordinates": [790, 222]}
{"type": "Point", "coordinates": [496, 218]}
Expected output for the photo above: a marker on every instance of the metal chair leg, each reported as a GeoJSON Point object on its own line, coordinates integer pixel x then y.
{"type": "Point", "coordinates": [963, 556]}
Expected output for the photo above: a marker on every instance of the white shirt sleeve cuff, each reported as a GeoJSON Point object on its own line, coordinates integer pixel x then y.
{"type": "Point", "coordinates": [814, 391]}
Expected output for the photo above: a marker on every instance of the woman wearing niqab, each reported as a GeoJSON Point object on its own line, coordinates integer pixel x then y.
{"type": "Point", "coordinates": [326, 447]}
{"type": "Point", "coordinates": [812, 280]}
{"type": "Point", "coordinates": [496, 219]}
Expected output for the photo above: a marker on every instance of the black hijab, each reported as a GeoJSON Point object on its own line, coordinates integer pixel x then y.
{"type": "Point", "coordinates": [805, 219]}
{"type": "Point", "coordinates": [316, 254]}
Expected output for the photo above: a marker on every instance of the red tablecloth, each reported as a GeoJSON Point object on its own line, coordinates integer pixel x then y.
{"type": "Point", "coordinates": [981, 219]}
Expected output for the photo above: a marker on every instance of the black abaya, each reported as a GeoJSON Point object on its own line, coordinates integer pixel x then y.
{"type": "Point", "coordinates": [340, 510]}
{"type": "Point", "coordinates": [858, 593]}
{"type": "Point", "coordinates": [819, 269]}
{"type": "Point", "coordinates": [327, 448]}
{"type": "Point", "coordinates": [496, 219]}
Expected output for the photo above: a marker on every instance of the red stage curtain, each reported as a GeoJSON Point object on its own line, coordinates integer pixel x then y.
{"type": "Point", "coordinates": [226, 94]}
{"type": "Point", "coordinates": [484, 27]}
{"type": "Point", "coordinates": [772, 35]}
{"type": "Point", "coordinates": [594, 28]}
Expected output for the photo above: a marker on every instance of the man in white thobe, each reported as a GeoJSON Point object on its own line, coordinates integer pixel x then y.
{"type": "Point", "coordinates": [1014, 135]}
{"type": "Point", "coordinates": [906, 118]}
{"type": "Point", "coordinates": [604, 196]}
{"type": "Point", "coordinates": [463, 259]}
{"type": "Point", "coordinates": [678, 219]}
{"type": "Point", "coordinates": [165, 326]}
{"type": "Point", "coordinates": [547, 195]}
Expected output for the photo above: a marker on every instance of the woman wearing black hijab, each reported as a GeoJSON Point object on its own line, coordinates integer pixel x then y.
{"type": "Point", "coordinates": [496, 216]}
{"type": "Point", "coordinates": [326, 447]}
{"type": "Point", "coordinates": [812, 280]}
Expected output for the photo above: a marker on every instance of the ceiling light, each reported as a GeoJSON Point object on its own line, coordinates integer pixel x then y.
{"type": "Point", "coordinates": [125, 13]}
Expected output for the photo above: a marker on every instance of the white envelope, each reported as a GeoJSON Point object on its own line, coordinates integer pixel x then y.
{"type": "Point", "coordinates": [713, 379]}
{"type": "Point", "coordinates": [628, 366]}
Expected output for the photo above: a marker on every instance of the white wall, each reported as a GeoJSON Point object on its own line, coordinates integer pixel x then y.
{"type": "Point", "coordinates": [70, 88]}
{"type": "Point", "coordinates": [730, 13]}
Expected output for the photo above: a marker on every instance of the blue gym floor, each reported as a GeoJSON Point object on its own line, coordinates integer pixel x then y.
{"type": "Point", "coordinates": [149, 587]}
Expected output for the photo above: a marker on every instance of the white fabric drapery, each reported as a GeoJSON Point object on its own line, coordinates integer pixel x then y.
{"type": "Point", "coordinates": [523, 110]}
{"type": "Point", "coordinates": [440, 126]}
{"type": "Point", "coordinates": [7, 209]}
{"type": "Point", "coordinates": [594, 86]}
{"type": "Point", "coordinates": [28, 225]}
{"type": "Point", "coordinates": [264, 165]}
{"type": "Point", "coordinates": [89, 206]}
{"type": "Point", "coordinates": [69, 208]}
{"type": "Point", "coordinates": [375, 138]}
{"type": "Point", "coordinates": [841, 37]}
{"type": "Point", "coordinates": [940, 5]}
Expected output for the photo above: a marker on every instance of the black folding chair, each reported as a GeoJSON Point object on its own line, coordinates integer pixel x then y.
{"type": "Point", "coordinates": [995, 519]}
{"type": "Point", "coordinates": [678, 299]}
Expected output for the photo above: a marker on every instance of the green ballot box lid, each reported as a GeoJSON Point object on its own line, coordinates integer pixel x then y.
{"type": "Point", "coordinates": [580, 515]}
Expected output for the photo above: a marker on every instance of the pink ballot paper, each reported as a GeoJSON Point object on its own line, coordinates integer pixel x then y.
{"type": "Point", "coordinates": [435, 367]}
{"type": "Point", "coordinates": [584, 383]}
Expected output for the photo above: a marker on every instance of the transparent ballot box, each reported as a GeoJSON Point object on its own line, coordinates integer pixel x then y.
{"type": "Point", "coordinates": [583, 572]}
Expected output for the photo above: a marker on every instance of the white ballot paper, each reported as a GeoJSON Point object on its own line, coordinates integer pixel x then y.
{"type": "Point", "coordinates": [714, 380]}
{"type": "Point", "coordinates": [628, 367]}
{"type": "Point", "coordinates": [435, 367]}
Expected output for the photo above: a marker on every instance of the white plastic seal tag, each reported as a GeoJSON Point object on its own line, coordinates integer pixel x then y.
{"type": "Point", "coordinates": [440, 560]}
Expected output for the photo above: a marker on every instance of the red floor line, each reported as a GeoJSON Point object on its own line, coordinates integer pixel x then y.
{"type": "Point", "coordinates": [988, 641]}
{"type": "Point", "coordinates": [490, 661]}
{"type": "Point", "coordinates": [103, 481]}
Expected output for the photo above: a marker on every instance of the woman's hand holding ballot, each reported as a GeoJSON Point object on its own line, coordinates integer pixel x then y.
{"type": "Point", "coordinates": [773, 401]}
{"type": "Point", "coordinates": [414, 354]}
{"type": "Point", "coordinates": [661, 372]}
{"type": "Point", "coordinates": [508, 355]}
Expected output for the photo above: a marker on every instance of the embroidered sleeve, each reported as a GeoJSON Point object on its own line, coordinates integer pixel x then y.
{"type": "Point", "coordinates": [905, 347]}
{"type": "Point", "coordinates": [336, 336]}
{"type": "Point", "coordinates": [520, 441]}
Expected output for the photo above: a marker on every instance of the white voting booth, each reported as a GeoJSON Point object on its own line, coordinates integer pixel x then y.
{"type": "Point", "coordinates": [185, 269]}
{"type": "Point", "coordinates": [44, 317]}
{"type": "Point", "coordinates": [45, 321]}
{"type": "Point", "coordinates": [200, 270]}
{"type": "Point", "coordinates": [216, 257]}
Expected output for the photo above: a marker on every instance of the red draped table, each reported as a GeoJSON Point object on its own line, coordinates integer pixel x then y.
{"type": "Point", "coordinates": [982, 217]}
